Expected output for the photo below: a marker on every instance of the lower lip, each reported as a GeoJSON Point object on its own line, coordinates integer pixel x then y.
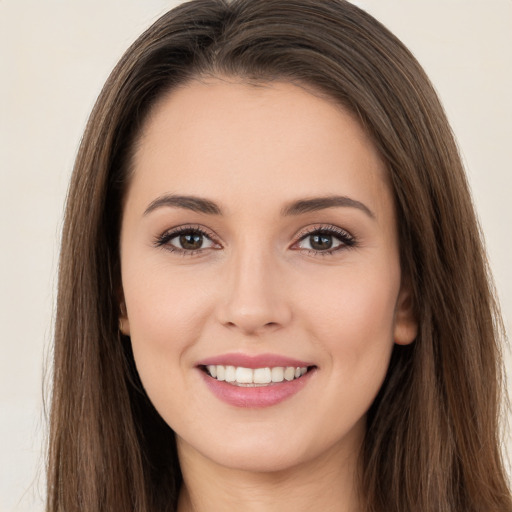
{"type": "Point", "coordinates": [256, 397]}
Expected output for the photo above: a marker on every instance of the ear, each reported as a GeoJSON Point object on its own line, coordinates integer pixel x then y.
{"type": "Point", "coordinates": [124, 323]}
{"type": "Point", "coordinates": [406, 323]}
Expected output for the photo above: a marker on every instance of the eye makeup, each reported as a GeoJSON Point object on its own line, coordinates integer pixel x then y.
{"type": "Point", "coordinates": [187, 240]}
{"type": "Point", "coordinates": [324, 240]}
{"type": "Point", "coordinates": [193, 239]}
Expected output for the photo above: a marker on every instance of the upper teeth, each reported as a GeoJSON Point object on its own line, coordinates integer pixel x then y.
{"type": "Point", "coordinates": [248, 376]}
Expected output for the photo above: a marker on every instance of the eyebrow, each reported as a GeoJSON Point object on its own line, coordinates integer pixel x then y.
{"type": "Point", "coordinates": [201, 205]}
{"type": "Point", "coordinates": [321, 203]}
{"type": "Point", "coordinates": [196, 204]}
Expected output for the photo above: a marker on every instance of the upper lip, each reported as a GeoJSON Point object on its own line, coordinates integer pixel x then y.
{"type": "Point", "coordinates": [254, 361]}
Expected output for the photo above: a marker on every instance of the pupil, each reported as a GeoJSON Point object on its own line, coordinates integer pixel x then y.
{"type": "Point", "coordinates": [191, 241]}
{"type": "Point", "coordinates": [321, 242]}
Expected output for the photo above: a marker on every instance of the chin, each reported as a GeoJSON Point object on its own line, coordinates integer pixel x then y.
{"type": "Point", "coordinates": [258, 459]}
{"type": "Point", "coordinates": [275, 450]}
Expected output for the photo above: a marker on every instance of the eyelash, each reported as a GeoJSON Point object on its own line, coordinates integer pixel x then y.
{"type": "Point", "coordinates": [346, 239]}
{"type": "Point", "coordinates": [164, 239]}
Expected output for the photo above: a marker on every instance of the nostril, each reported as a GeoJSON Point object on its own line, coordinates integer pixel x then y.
{"type": "Point", "coordinates": [252, 325]}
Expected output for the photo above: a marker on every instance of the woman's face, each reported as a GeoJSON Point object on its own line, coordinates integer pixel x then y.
{"type": "Point", "coordinates": [259, 242]}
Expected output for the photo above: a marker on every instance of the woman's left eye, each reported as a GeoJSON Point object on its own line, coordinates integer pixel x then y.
{"type": "Point", "coordinates": [187, 240]}
{"type": "Point", "coordinates": [325, 241]}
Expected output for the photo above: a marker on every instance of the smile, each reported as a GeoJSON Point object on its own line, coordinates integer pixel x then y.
{"type": "Point", "coordinates": [255, 381]}
{"type": "Point", "coordinates": [254, 377]}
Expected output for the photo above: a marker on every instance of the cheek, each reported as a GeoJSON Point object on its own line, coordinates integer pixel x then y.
{"type": "Point", "coordinates": [166, 315]}
{"type": "Point", "coordinates": [353, 324]}
{"type": "Point", "coordinates": [354, 329]}
{"type": "Point", "coordinates": [354, 306]}
{"type": "Point", "coordinates": [163, 302]}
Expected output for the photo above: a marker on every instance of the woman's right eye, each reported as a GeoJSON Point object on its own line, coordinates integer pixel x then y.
{"type": "Point", "coordinates": [186, 240]}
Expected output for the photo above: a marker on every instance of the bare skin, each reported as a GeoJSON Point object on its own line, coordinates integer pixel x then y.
{"type": "Point", "coordinates": [259, 224]}
{"type": "Point", "coordinates": [326, 483]}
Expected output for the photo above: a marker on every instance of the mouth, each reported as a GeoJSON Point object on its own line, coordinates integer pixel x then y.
{"type": "Point", "coordinates": [255, 381]}
{"type": "Point", "coordinates": [241, 376]}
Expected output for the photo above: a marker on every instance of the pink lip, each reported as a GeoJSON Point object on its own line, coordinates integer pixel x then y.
{"type": "Point", "coordinates": [255, 397]}
{"type": "Point", "coordinates": [250, 361]}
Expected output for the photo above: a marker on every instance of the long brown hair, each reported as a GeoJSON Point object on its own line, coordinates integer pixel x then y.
{"type": "Point", "coordinates": [432, 433]}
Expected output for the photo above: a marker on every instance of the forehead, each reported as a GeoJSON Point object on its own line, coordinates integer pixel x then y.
{"type": "Point", "coordinates": [258, 140]}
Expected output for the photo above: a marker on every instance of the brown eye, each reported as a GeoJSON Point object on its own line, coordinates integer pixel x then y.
{"type": "Point", "coordinates": [187, 240]}
{"type": "Point", "coordinates": [191, 241]}
{"type": "Point", "coordinates": [321, 242]}
{"type": "Point", "coordinates": [325, 240]}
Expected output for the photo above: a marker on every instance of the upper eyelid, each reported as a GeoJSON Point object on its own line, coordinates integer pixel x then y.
{"type": "Point", "coordinates": [167, 235]}
{"type": "Point", "coordinates": [345, 237]}
{"type": "Point", "coordinates": [308, 230]}
{"type": "Point", "coordinates": [190, 227]}
{"type": "Point", "coordinates": [322, 227]}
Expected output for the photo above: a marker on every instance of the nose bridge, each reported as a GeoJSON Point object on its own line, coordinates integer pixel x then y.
{"type": "Point", "coordinates": [254, 299]}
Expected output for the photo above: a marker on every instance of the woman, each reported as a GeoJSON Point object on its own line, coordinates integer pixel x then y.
{"type": "Point", "coordinates": [273, 292]}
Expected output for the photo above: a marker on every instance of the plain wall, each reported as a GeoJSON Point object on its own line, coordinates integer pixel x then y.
{"type": "Point", "coordinates": [55, 56]}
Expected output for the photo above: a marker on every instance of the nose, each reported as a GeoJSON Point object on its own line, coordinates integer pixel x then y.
{"type": "Point", "coordinates": [255, 299]}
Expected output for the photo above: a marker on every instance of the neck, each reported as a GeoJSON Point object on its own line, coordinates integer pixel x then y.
{"type": "Point", "coordinates": [328, 483]}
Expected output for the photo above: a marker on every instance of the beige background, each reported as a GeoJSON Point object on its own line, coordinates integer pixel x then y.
{"type": "Point", "coordinates": [55, 56]}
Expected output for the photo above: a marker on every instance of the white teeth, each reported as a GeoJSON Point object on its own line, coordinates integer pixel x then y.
{"type": "Point", "coordinates": [244, 375]}
{"type": "Point", "coordinates": [240, 376]}
{"type": "Point", "coordinates": [289, 373]}
{"type": "Point", "coordinates": [277, 374]}
{"type": "Point", "coordinates": [221, 372]}
{"type": "Point", "coordinates": [230, 374]}
{"type": "Point", "coordinates": [262, 376]}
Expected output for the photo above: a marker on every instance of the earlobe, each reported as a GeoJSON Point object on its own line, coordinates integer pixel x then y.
{"type": "Point", "coordinates": [406, 323]}
{"type": "Point", "coordinates": [124, 323]}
